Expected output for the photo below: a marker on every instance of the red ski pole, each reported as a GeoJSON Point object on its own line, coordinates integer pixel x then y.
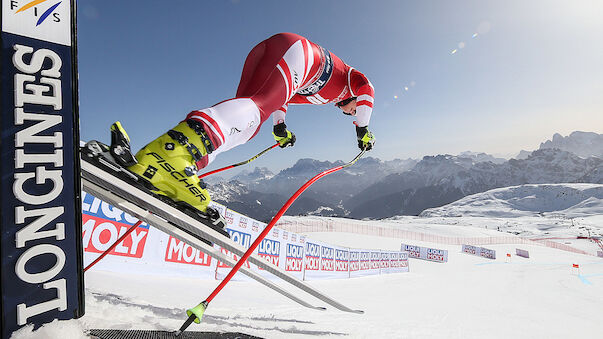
{"type": "Point", "coordinates": [239, 164]}
{"type": "Point", "coordinates": [114, 244]}
{"type": "Point", "coordinates": [196, 313]}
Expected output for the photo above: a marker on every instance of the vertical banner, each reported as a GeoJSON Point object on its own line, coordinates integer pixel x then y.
{"type": "Point", "coordinates": [41, 273]}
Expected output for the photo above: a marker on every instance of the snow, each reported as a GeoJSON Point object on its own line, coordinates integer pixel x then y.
{"type": "Point", "coordinates": [566, 199]}
{"type": "Point", "coordinates": [467, 297]}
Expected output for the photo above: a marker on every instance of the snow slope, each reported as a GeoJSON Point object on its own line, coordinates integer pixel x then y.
{"type": "Point", "coordinates": [468, 297]}
{"type": "Point", "coordinates": [570, 200]}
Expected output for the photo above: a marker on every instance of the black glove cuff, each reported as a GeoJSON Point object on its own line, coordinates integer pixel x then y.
{"type": "Point", "coordinates": [361, 131]}
{"type": "Point", "coordinates": [280, 130]}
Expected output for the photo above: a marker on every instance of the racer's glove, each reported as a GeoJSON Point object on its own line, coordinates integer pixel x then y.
{"type": "Point", "coordinates": [366, 139]}
{"type": "Point", "coordinates": [283, 136]}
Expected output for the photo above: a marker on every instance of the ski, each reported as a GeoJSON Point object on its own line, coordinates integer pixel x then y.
{"type": "Point", "coordinates": [182, 235]}
{"type": "Point", "coordinates": [108, 182]}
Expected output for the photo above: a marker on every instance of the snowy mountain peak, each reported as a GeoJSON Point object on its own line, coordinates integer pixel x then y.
{"type": "Point", "coordinates": [481, 157]}
{"type": "Point", "coordinates": [258, 173]}
{"type": "Point", "coordinates": [583, 144]}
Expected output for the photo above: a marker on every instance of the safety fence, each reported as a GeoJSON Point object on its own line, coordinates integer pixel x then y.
{"type": "Point", "coordinates": [147, 250]}
{"type": "Point", "coordinates": [308, 225]}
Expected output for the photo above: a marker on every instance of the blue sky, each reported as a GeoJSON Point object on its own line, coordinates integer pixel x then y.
{"type": "Point", "coordinates": [522, 71]}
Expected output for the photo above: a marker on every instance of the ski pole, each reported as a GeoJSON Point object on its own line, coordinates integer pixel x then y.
{"type": "Point", "coordinates": [196, 313]}
{"type": "Point", "coordinates": [239, 164]}
{"type": "Point", "coordinates": [114, 244]}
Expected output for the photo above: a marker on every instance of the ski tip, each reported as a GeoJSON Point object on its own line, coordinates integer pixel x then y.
{"type": "Point", "coordinates": [359, 311]}
{"type": "Point", "coordinates": [320, 308]}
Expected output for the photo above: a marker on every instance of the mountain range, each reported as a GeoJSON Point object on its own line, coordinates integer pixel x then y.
{"type": "Point", "coordinates": [375, 189]}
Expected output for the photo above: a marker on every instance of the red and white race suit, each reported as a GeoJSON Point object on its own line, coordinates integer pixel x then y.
{"type": "Point", "coordinates": [284, 69]}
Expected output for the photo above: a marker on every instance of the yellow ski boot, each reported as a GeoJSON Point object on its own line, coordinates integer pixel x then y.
{"type": "Point", "coordinates": [169, 164]}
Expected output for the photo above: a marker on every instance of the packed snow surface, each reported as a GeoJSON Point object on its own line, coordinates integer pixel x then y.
{"type": "Point", "coordinates": [468, 297]}
{"type": "Point", "coordinates": [569, 200]}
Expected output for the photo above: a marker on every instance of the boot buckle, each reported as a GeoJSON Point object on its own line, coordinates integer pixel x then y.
{"type": "Point", "coordinates": [191, 148]}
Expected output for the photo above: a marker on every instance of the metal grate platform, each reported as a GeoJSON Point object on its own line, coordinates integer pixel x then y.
{"type": "Point", "coordinates": [151, 334]}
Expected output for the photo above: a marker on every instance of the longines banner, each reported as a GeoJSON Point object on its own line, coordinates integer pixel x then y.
{"type": "Point", "coordinates": [40, 211]}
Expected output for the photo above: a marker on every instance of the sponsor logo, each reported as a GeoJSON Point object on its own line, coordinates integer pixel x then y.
{"type": "Point", "coordinates": [42, 240]}
{"type": "Point", "coordinates": [384, 260]}
{"type": "Point", "coordinates": [354, 265]}
{"type": "Point", "coordinates": [95, 207]}
{"type": "Point", "coordinates": [375, 260]}
{"type": "Point", "coordinates": [241, 238]}
{"type": "Point", "coordinates": [270, 250]}
{"type": "Point", "coordinates": [255, 226]}
{"type": "Point", "coordinates": [275, 232]}
{"type": "Point", "coordinates": [470, 249]}
{"type": "Point", "coordinates": [341, 260]}
{"type": "Point", "coordinates": [229, 216]}
{"type": "Point", "coordinates": [234, 130]}
{"type": "Point", "coordinates": [194, 189]}
{"type": "Point", "coordinates": [486, 253]}
{"type": "Point", "coordinates": [293, 237]}
{"type": "Point", "coordinates": [395, 260]}
{"type": "Point", "coordinates": [181, 252]}
{"type": "Point", "coordinates": [435, 251]}
{"type": "Point", "coordinates": [295, 258]}
{"type": "Point", "coordinates": [243, 222]}
{"type": "Point", "coordinates": [302, 239]}
{"type": "Point", "coordinates": [312, 257]}
{"type": "Point", "coordinates": [285, 235]}
{"type": "Point", "coordinates": [327, 262]}
{"type": "Point", "coordinates": [41, 17]}
{"type": "Point", "coordinates": [435, 257]}
{"type": "Point", "coordinates": [413, 251]}
{"type": "Point", "coordinates": [99, 234]}
{"type": "Point", "coordinates": [435, 254]}
{"type": "Point", "coordinates": [365, 260]}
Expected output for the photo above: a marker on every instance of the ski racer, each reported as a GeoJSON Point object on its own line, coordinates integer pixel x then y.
{"type": "Point", "coordinates": [284, 69]}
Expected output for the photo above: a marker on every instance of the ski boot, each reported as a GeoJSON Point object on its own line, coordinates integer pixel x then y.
{"type": "Point", "coordinates": [167, 166]}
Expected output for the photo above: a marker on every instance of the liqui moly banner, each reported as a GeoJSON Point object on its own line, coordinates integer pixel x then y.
{"type": "Point", "coordinates": [479, 251]}
{"type": "Point", "coordinates": [375, 262]}
{"type": "Point", "coordinates": [398, 262]}
{"type": "Point", "coordinates": [425, 253]}
{"type": "Point", "coordinates": [41, 272]}
{"type": "Point", "coordinates": [182, 258]}
{"type": "Point", "coordinates": [342, 262]}
{"type": "Point", "coordinates": [325, 261]}
{"type": "Point", "coordinates": [354, 264]}
{"type": "Point", "coordinates": [360, 263]}
{"type": "Point", "coordinates": [385, 262]}
{"type": "Point", "coordinates": [522, 253]}
{"type": "Point", "coordinates": [103, 224]}
{"type": "Point", "coordinates": [244, 239]}
{"type": "Point", "coordinates": [294, 251]}
{"type": "Point", "coordinates": [151, 251]}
